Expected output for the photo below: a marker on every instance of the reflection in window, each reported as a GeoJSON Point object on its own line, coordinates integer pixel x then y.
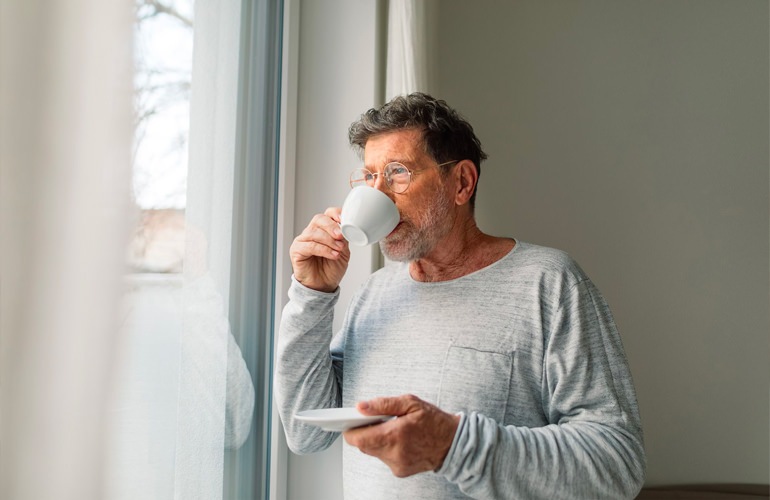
{"type": "Point", "coordinates": [187, 421]}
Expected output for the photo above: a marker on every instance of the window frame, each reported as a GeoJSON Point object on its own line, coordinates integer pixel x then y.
{"type": "Point", "coordinates": [247, 471]}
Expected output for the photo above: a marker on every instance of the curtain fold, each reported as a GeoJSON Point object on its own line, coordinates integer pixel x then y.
{"type": "Point", "coordinates": [186, 394]}
{"type": "Point", "coordinates": [65, 142]}
{"type": "Point", "coordinates": [407, 58]}
{"type": "Point", "coordinates": [113, 387]}
{"type": "Point", "coordinates": [216, 394]}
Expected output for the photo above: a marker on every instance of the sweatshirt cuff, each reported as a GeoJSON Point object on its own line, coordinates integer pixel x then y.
{"type": "Point", "coordinates": [449, 468]}
{"type": "Point", "coordinates": [300, 291]}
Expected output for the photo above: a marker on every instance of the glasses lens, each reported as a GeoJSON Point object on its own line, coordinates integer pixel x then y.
{"type": "Point", "coordinates": [361, 177]}
{"type": "Point", "coordinates": [398, 177]}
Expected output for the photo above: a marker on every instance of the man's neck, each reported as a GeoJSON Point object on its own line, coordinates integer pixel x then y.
{"type": "Point", "coordinates": [462, 251]}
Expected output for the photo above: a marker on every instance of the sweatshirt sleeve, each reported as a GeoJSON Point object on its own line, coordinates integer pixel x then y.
{"type": "Point", "coordinates": [592, 447]}
{"type": "Point", "coordinates": [307, 376]}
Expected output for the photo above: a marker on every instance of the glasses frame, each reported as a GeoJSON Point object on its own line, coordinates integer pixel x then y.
{"type": "Point", "coordinates": [387, 177]}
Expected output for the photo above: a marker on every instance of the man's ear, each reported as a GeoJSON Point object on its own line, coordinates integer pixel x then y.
{"type": "Point", "coordinates": [466, 176]}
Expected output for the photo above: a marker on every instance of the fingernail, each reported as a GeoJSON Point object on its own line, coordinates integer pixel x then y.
{"type": "Point", "coordinates": [364, 405]}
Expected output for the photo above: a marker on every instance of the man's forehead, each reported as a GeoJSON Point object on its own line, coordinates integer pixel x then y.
{"type": "Point", "coordinates": [401, 145]}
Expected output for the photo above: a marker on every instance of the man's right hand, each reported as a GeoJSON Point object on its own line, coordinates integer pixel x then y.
{"type": "Point", "coordinates": [320, 254]}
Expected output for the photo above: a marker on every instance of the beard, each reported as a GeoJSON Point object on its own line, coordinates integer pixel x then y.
{"type": "Point", "coordinates": [416, 237]}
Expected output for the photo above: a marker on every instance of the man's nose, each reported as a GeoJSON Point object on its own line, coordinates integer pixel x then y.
{"type": "Point", "coordinates": [380, 182]}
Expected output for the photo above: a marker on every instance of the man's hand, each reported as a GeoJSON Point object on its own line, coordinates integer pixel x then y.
{"type": "Point", "coordinates": [320, 255]}
{"type": "Point", "coordinates": [417, 441]}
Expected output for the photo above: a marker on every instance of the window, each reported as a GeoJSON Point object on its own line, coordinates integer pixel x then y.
{"type": "Point", "coordinates": [192, 416]}
{"type": "Point", "coordinates": [163, 50]}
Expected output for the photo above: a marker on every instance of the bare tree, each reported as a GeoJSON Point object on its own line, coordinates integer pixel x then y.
{"type": "Point", "coordinates": [146, 9]}
{"type": "Point", "coordinates": [158, 87]}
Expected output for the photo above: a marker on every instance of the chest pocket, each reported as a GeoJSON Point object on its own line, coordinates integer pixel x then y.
{"type": "Point", "coordinates": [475, 380]}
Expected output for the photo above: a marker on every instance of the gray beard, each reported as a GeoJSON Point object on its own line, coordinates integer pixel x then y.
{"type": "Point", "coordinates": [416, 239]}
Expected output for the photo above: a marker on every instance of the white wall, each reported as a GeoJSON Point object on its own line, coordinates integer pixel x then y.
{"type": "Point", "coordinates": [337, 71]}
{"type": "Point", "coordinates": [634, 135]}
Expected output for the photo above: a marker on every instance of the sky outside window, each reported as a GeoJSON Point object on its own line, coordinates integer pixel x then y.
{"type": "Point", "coordinates": [163, 48]}
{"type": "Point", "coordinates": [163, 57]}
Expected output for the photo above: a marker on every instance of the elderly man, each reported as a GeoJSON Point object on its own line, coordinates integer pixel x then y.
{"type": "Point", "coordinates": [499, 358]}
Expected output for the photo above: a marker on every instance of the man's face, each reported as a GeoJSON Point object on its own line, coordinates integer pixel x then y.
{"type": "Point", "coordinates": [426, 207]}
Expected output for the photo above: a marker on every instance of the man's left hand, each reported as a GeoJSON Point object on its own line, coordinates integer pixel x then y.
{"type": "Point", "coordinates": [417, 441]}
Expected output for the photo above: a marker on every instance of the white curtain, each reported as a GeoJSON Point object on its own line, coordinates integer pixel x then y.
{"type": "Point", "coordinates": [184, 394]}
{"type": "Point", "coordinates": [65, 141]}
{"type": "Point", "coordinates": [407, 60]}
{"type": "Point", "coordinates": [111, 387]}
{"type": "Point", "coordinates": [216, 395]}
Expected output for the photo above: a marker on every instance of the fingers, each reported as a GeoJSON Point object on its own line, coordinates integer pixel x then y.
{"type": "Point", "coordinates": [333, 213]}
{"type": "Point", "coordinates": [417, 441]}
{"type": "Point", "coordinates": [320, 255]}
{"type": "Point", "coordinates": [324, 226]}
{"type": "Point", "coordinates": [321, 238]}
{"type": "Point", "coordinates": [373, 439]}
{"type": "Point", "coordinates": [397, 405]}
{"type": "Point", "coordinates": [318, 242]}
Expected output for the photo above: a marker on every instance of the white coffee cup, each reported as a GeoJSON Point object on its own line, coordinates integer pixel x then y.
{"type": "Point", "coordinates": [368, 215]}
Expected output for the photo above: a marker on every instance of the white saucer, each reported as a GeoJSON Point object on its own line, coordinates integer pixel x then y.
{"type": "Point", "coordinates": [339, 419]}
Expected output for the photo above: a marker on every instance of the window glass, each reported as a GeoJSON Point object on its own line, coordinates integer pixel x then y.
{"type": "Point", "coordinates": [144, 411]}
{"type": "Point", "coordinates": [163, 46]}
{"type": "Point", "coordinates": [191, 413]}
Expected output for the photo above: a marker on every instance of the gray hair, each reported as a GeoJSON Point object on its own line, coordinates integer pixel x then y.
{"type": "Point", "coordinates": [447, 136]}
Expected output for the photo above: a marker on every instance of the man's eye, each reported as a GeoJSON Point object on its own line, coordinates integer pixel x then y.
{"type": "Point", "coordinates": [398, 171]}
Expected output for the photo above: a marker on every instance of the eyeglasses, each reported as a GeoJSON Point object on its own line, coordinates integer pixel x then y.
{"type": "Point", "coordinates": [397, 176]}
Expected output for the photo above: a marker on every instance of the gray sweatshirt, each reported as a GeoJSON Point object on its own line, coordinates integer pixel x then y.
{"type": "Point", "coordinates": [524, 350]}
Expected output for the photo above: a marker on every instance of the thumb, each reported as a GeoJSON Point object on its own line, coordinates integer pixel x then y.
{"type": "Point", "coordinates": [397, 405]}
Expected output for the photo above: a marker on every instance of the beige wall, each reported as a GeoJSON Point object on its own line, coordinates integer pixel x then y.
{"type": "Point", "coordinates": [634, 135]}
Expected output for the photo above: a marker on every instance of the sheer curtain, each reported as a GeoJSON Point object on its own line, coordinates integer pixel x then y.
{"type": "Point", "coordinates": [187, 396]}
{"type": "Point", "coordinates": [65, 137]}
{"type": "Point", "coordinates": [202, 429]}
{"type": "Point", "coordinates": [116, 388]}
{"type": "Point", "coordinates": [407, 61]}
